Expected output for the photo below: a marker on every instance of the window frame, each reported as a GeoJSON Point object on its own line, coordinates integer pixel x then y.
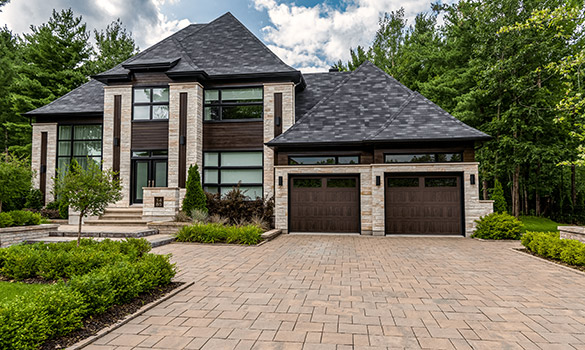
{"type": "Point", "coordinates": [219, 167]}
{"type": "Point", "coordinates": [434, 154]}
{"type": "Point", "coordinates": [72, 141]}
{"type": "Point", "coordinates": [336, 157]}
{"type": "Point", "coordinates": [222, 104]}
{"type": "Point", "coordinates": [150, 104]}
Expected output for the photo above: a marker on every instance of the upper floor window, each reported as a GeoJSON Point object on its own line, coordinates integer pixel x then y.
{"type": "Point", "coordinates": [423, 158]}
{"type": "Point", "coordinates": [80, 142]}
{"type": "Point", "coordinates": [233, 104]}
{"type": "Point", "coordinates": [323, 160]}
{"type": "Point", "coordinates": [151, 104]}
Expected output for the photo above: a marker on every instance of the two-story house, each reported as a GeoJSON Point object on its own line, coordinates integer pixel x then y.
{"type": "Point", "coordinates": [350, 152]}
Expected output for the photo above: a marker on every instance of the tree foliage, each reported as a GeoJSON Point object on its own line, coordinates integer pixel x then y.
{"type": "Point", "coordinates": [194, 197]}
{"type": "Point", "coordinates": [15, 180]}
{"type": "Point", "coordinates": [113, 45]}
{"type": "Point", "coordinates": [87, 190]}
{"type": "Point", "coordinates": [500, 205]}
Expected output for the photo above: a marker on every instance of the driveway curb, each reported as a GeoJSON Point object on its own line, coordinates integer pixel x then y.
{"type": "Point", "coordinates": [550, 262]}
{"type": "Point", "coordinates": [85, 342]}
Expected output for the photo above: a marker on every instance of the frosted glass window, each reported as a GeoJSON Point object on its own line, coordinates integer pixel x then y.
{"type": "Point", "coordinates": [223, 170]}
{"type": "Point", "coordinates": [160, 95]}
{"type": "Point", "coordinates": [246, 176]}
{"type": "Point", "coordinates": [241, 95]}
{"type": "Point", "coordinates": [241, 159]}
{"type": "Point", "coordinates": [141, 112]}
{"type": "Point", "coordinates": [210, 159]}
{"type": "Point", "coordinates": [211, 176]}
{"type": "Point", "coordinates": [151, 104]}
{"type": "Point", "coordinates": [141, 95]}
{"type": "Point", "coordinates": [160, 112]}
{"type": "Point", "coordinates": [211, 96]}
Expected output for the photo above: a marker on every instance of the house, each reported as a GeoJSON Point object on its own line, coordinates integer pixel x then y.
{"type": "Point", "coordinates": [350, 152]}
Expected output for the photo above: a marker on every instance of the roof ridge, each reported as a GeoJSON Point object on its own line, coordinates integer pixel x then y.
{"type": "Point", "coordinates": [184, 54]}
{"type": "Point", "coordinates": [444, 112]}
{"type": "Point", "coordinates": [392, 118]}
{"type": "Point", "coordinates": [68, 93]}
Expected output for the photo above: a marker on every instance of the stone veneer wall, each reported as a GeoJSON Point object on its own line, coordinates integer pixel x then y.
{"type": "Point", "coordinates": [172, 203]}
{"type": "Point", "coordinates": [51, 130]}
{"type": "Point", "coordinates": [572, 232]}
{"type": "Point", "coordinates": [372, 196]}
{"type": "Point", "coordinates": [19, 234]}
{"type": "Point", "coordinates": [125, 137]}
{"type": "Point", "coordinates": [288, 119]}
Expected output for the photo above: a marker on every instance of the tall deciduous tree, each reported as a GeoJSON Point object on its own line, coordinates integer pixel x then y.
{"type": "Point", "coordinates": [15, 180]}
{"type": "Point", "coordinates": [113, 46]}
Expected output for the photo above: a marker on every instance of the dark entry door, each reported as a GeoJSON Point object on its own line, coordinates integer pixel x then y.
{"type": "Point", "coordinates": [417, 204]}
{"type": "Point", "coordinates": [325, 204]}
{"type": "Point", "coordinates": [147, 173]}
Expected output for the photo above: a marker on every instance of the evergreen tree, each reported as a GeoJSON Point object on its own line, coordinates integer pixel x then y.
{"type": "Point", "coordinates": [113, 46]}
{"type": "Point", "coordinates": [500, 205]}
{"type": "Point", "coordinates": [194, 198]}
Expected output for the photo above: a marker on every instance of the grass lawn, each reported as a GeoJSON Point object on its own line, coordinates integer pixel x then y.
{"type": "Point", "coordinates": [9, 290]}
{"type": "Point", "coordinates": [538, 224]}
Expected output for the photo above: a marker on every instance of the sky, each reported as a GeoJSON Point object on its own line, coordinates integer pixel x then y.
{"type": "Point", "coordinates": [306, 34]}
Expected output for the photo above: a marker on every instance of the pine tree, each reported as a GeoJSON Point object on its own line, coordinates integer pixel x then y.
{"type": "Point", "coordinates": [194, 198]}
{"type": "Point", "coordinates": [113, 46]}
{"type": "Point", "coordinates": [500, 205]}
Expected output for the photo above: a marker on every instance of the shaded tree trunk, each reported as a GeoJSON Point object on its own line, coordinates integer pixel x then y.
{"type": "Point", "coordinates": [516, 191]}
{"type": "Point", "coordinates": [536, 192]}
{"type": "Point", "coordinates": [573, 186]}
{"type": "Point", "coordinates": [81, 215]}
{"type": "Point", "coordinates": [484, 185]}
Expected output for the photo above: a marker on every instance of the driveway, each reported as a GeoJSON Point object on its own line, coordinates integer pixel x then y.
{"type": "Point", "coordinates": [357, 292]}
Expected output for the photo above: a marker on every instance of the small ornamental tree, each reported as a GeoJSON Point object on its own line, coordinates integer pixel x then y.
{"type": "Point", "coordinates": [87, 190]}
{"type": "Point", "coordinates": [194, 198]}
{"type": "Point", "coordinates": [500, 205]}
{"type": "Point", "coordinates": [15, 179]}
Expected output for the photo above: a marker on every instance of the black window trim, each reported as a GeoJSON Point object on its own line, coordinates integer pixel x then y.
{"type": "Point", "coordinates": [422, 153]}
{"type": "Point", "coordinates": [220, 184]}
{"type": "Point", "coordinates": [72, 139]}
{"type": "Point", "coordinates": [327, 156]}
{"type": "Point", "coordinates": [151, 103]}
{"type": "Point", "coordinates": [220, 104]}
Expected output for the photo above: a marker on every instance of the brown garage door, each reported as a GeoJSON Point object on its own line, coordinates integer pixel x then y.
{"type": "Point", "coordinates": [324, 204]}
{"type": "Point", "coordinates": [423, 205]}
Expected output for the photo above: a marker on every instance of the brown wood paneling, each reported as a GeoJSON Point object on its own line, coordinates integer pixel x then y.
{"type": "Point", "coordinates": [469, 154]}
{"type": "Point", "coordinates": [117, 133]}
{"type": "Point", "coordinates": [421, 209]}
{"type": "Point", "coordinates": [324, 208]}
{"type": "Point", "coordinates": [43, 170]}
{"type": "Point", "coordinates": [150, 135]}
{"type": "Point", "coordinates": [146, 79]}
{"type": "Point", "coordinates": [78, 119]}
{"type": "Point", "coordinates": [233, 135]}
{"type": "Point", "coordinates": [277, 114]}
{"type": "Point", "coordinates": [182, 139]}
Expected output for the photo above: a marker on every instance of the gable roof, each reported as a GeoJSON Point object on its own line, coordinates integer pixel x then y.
{"type": "Point", "coordinates": [223, 47]}
{"type": "Point", "coordinates": [88, 98]}
{"type": "Point", "coordinates": [371, 106]}
{"type": "Point", "coordinates": [319, 85]}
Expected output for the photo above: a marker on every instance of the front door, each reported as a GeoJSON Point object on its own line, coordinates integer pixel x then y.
{"type": "Point", "coordinates": [147, 173]}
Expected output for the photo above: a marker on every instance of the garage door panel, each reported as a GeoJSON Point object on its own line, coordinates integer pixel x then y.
{"type": "Point", "coordinates": [328, 204]}
{"type": "Point", "coordinates": [419, 204]}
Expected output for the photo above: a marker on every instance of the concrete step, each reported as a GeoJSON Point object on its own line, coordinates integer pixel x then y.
{"type": "Point", "coordinates": [116, 222]}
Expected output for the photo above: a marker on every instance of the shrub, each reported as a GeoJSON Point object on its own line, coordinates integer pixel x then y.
{"type": "Point", "coordinates": [23, 217]}
{"type": "Point", "coordinates": [550, 245]}
{"type": "Point", "coordinates": [216, 233]}
{"type": "Point", "coordinates": [199, 215]}
{"type": "Point", "coordinates": [182, 217]}
{"type": "Point", "coordinates": [53, 205]}
{"type": "Point", "coordinates": [498, 226]}
{"type": "Point", "coordinates": [194, 197]}
{"type": "Point", "coordinates": [63, 210]}
{"type": "Point", "coordinates": [15, 180]}
{"type": "Point", "coordinates": [50, 213]}
{"type": "Point", "coordinates": [236, 207]}
{"type": "Point", "coordinates": [34, 199]}
{"type": "Point", "coordinates": [500, 205]}
{"type": "Point", "coordinates": [6, 220]}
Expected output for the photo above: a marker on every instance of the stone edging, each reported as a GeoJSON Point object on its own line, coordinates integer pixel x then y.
{"type": "Point", "coordinates": [549, 262]}
{"type": "Point", "coordinates": [87, 341]}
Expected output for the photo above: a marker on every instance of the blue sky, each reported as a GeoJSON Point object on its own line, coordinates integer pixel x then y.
{"type": "Point", "coordinates": [307, 34]}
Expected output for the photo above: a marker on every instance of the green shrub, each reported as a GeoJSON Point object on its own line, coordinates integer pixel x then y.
{"type": "Point", "coordinates": [216, 233]}
{"type": "Point", "coordinates": [34, 199]}
{"type": "Point", "coordinates": [63, 210]}
{"type": "Point", "coordinates": [194, 197]}
{"type": "Point", "coordinates": [550, 245]}
{"type": "Point", "coordinates": [500, 205]}
{"type": "Point", "coordinates": [53, 205]}
{"type": "Point", "coordinates": [498, 226]}
{"type": "Point", "coordinates": [6, 220]}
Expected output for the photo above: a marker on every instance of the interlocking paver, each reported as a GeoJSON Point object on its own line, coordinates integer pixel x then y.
{"type": "Point", "coordinates": [358, 292]}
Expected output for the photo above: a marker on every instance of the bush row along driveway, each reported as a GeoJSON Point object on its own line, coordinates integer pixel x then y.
{"type": "Point", "coordinates": [354, 292]}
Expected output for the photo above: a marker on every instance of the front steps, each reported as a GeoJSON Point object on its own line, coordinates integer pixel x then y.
{"type": "Point", "coordinates": [131, 216]}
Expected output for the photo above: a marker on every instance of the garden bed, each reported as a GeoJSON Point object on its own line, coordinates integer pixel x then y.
{"type": "Point", "coordinates": [220, 233]}
{"type": "Point", "coordinates": [550, 246]}
{"type": "Point", "coordinates": [555, 261]}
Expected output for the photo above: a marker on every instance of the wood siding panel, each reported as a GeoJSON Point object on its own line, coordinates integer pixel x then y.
{"type": "Point", "coordinates": [151, 135]}
{"type": "Point", "coordinates": [43, 169]}
{"type": "Point", "coordinates": [233, 135]}
{"type": "Point", "coordinates": [277, 114]}
{"type": "Point", "coordinates": [146, 79]}
{"type": "Point", "coordinates": [182, 139]}
{"type": "Point", "coordinates": [117, 132]}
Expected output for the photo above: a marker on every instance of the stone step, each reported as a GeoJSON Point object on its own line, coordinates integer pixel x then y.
{"type": "Point", "coordinates": [124, 210]}
{"type": "Point", "coordinates": [154, 240]}
{"type": "Point", "coordinates": [107, 233]}
{"type": "Point", "coordinates": [122, 216]}
{"type": "Point", "coordinates": [116, 222]}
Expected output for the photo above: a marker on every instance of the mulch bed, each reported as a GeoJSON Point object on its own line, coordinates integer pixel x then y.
{"type": "Point", "coordinates": [574, 267]}
{"type": "Point", "coordinates": [94, 324]}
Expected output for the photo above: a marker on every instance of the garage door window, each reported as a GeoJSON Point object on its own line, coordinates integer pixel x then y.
{"type": "Point", "coordinates": [307, 183]}
{"type": "Point", "coordinates": [224, 170]}
{"type": "Point", "coordinates": [441, 182]}
{"type": "Point", "coordinates": [341, 183]}
{"type": "Point", "coordinates": [402, 182]}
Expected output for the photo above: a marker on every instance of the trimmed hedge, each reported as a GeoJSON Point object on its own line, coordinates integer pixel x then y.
{"type": "Point", "coordinates": [498, 226]}
{"type": "Point", "coordinates": [218, 233]}
{"type": "Point", "coordinates": [550, 245]}
{"type": "Point", "coordinates": [27, 322]}
{"type": "Point", "coordinates": [19, 218]}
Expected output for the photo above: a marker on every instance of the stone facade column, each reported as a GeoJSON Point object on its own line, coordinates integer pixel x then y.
{"type": "Point", "coordinates": [125, 92]}
{"type": "Point", "coordinates": [288, 119]}
{"type": "Point", "coordinates": [194, 128]}
{"type": "Point", "coordinates": [51, 130]}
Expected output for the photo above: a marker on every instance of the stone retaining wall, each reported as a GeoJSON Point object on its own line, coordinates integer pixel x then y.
{"type": "Point", "coordinates": [572, 232]}
{"type": "Point", "coordinates": [167, 227]}
{"type": "Point", "coordinates": [15, 235]}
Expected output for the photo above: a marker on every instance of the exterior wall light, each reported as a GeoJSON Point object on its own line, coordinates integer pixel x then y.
{"type": "Point", "coordinates": [280, 181]}
{"type": "Point", "coordinates": [378, 180]}
{"type": "Point", "coordinates": [472, 179]}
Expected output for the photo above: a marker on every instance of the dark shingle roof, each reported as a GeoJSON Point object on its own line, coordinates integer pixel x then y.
{"type": "Point", "coordinates": [88, 98]}
{"type": "Point", "coordinates": [319, 85]}
{"type": "Point", "coordinates": [371, 106]}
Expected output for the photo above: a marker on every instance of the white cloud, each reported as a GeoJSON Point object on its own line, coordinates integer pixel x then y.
{"type": "Point", "coordinates": [143, 17]}
{"type": "Point", "coordinates": [313, 38]}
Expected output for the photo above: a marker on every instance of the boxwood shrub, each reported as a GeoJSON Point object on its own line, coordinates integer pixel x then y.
{"type": "Point", "coordinates": [550, 245]}
{"type": "Point", "coordinates": [218, 233]}
{"type": "Point", "coordinates": [498, 226]}
{"type": "Point", "coordinates": [120, 271]}
{"type": "Point", "coordinates": [19, 218]}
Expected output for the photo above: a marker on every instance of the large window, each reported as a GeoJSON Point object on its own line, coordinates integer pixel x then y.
{"type": "Point", "coordinates": [233, 104]}
{"type": "Point", "coordinates": [80, 142]}
{"type": "Point", "coordinates": [151, 104]}
{"type": "Point", "coordinates": [323, 160]}
{"type": "Point", "coordinates": [224, 170]}
{"type": "Point", "coordinates": [423, 158]}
